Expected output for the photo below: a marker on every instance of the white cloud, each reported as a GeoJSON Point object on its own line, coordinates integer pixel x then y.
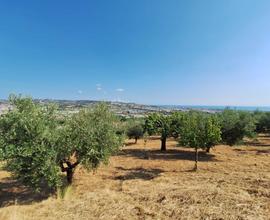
{"type": "Point", "coordinates": [99, 87]}
{"type": "Point", "coordinates": [80, 92]}
{"type": "Point", "coordinates": [119, 90]}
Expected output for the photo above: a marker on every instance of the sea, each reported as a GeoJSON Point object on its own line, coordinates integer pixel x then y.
{"type": "Point", "coordinates": [218, 108]}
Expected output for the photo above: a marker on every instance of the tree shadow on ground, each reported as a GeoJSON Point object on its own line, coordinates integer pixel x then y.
{"type": "Point", "coordinates": [265, 135]}
{"type": "Point", "coordinates": [257, 143]}
{"type": "Point", "coordinates": [14, 192]}
{"type": "Point", "coordinates": [257, 151]}
{"type": "Point", "coordinates": [170, 154]}
{"type": "Point", "coordinates": [130, 144]}
{"type": "Point", "coordinates": [138, 173]}
{"type": "Point", "coordinates": [263, 140]}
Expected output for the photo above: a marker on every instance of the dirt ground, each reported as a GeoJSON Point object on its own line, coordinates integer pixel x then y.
{"type": "Point", "coordinates": [143, 183]}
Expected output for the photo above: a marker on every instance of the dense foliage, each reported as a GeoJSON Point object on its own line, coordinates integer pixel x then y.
{"type": "Point", "coordinates": [135, 130]}
{"type": "Point", "coordinates": [235, 125]}
{"type": "Point", "coordinates": [199, 131]}
{"type": "Point", "coordinates": [262, 121]}
{"type": "Point", "coordinates": [176, 123]}
{"type": "Point", "coordinates": [36, 145]}
{"type": "Point", "coordinates": [159, 124]}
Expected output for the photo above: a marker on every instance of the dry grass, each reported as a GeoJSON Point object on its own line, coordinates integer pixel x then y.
{"type": "Point", "coordinates": [232, 183]}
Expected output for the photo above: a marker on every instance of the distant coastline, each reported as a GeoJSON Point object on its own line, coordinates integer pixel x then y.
{"type": "Point", "coordinates": [133, 109]}
{"type": "Point", "coordinates": [217, 107]}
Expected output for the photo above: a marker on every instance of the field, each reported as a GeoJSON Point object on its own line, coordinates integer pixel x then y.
{"type": "Point", "coordinates": [143, 183]}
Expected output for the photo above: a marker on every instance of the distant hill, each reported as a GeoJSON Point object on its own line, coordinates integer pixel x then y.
{"type": "Point", "coordinates": [131, 109]}
{"type": "Point", "coordinates": [120, 108]}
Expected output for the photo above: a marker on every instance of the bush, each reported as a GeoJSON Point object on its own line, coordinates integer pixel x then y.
{"type": "Point", "coordinates": [199, 131]}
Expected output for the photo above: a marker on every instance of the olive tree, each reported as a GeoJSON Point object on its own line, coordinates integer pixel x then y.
{"type": "Point", "coordinates": [28, 142]}
{"type": "Point", "coordinates": [262, 121]}
{"type": "Point", "coordinates": [36, 144]}
{"type": "Point", "coordinates": [91, 137]}
{"type": "Point", "coordinates": [159, 124]}
{"type": "Point", "coordinates": [199, 131]}
{"type": "Point", "coordinates": [135, 131]}
{"type": "Point", "coordinates": [235, 125]}
{"type": "Point", "coordinates": [176, 123]}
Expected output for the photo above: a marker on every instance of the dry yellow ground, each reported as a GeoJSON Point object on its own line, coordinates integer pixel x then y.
{"type": "Point", "coordinates": [143, 183]}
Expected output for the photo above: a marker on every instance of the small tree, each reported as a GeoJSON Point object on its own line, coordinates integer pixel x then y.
{"type": "Point", "coordinates": [90, 137]}
{"type": "Point", "coordinates": [199, 131]}
{"type": "Point", "coordinates": [135, 131]}
{"type": "Point", "coordinates": [235, 125]}
{"type": "Point", "coordinates": [159, 124]}
{"type": "Point", "coordinates": [37, 146]}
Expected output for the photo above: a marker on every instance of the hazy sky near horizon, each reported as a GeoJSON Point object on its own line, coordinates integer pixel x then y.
{"type": "Point", "coordinates": [188, 52]}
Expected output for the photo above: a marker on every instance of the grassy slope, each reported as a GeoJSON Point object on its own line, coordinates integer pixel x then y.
{"type": "Point", "coordinates": [232, 183]}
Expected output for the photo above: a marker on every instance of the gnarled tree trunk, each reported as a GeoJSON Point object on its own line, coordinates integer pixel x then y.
{"type": "Point", "coordinates": [69, 169]}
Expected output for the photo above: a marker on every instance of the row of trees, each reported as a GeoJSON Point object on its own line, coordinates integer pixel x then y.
{"type": "Point", "coordinates": [202, 130]}
{"type": "Point", "coordinates": [38, 145]}
{"type": "Point", "coordinates": [233, 125]}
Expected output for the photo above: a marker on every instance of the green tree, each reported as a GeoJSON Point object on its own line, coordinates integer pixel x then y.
{"type": "Point", "coordinates": [28, 137]}
{"type": "Point", "coordinates": [262, 121]}
{"type": "Point", "coordinates": [159, 124]}
{"type": "Point", "coordinates": [135, 131]}
{"type": "Point", "coordinates": [37, 145]}
{"type": "Point", "coordinates": [235, 125]}
{"type": "Point", "coordinates": [199, 131]}
{"type": "Point", "coordinates": [176, 123]}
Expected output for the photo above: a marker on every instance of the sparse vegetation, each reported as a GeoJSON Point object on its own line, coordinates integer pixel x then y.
{"type": "Point", "coordinates": [233, 183]}
{"type": "Point", "coordinates": [37, 145]}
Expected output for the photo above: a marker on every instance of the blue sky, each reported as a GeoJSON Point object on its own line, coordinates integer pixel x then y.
{"type": "Point", "coordinates": [188, 52]}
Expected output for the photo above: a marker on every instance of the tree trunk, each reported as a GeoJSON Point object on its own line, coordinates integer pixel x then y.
{"type": "Point", "coordinates": [69, 175]}
{"type": "Point", "coordinates": [136, 140]}
{"type": "Point", "coordinates": [208, 150]}
{"type": "Point", "coordinates": [196, 159]}
{"type": "Point", "coordinates": [69, 170]}
{"type": "Point", "coordinates": [163, 144]}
